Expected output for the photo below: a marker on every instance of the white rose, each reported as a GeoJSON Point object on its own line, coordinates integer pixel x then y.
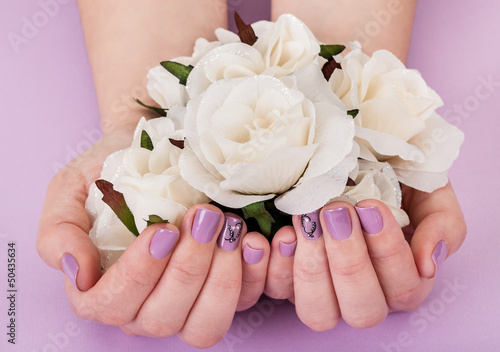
{"type": "Point", "coordinates": [164, 88]}
{"type": "Point", "coordinates": [375, 180]}
{"type": "Point", "coordinates": [250, 139]}
{"type": "Point", "coordinates": [151, 185]}
{"type": "Point", "coordinates": [397, 122]}
{"type": "Point", "coordinates": [281, 48]}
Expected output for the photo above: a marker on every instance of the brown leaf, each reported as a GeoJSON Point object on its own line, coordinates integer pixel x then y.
{"type": "Point", "coordinates": [245, 31]}
{"type": "Point", "coordinates": [329, 67]}
{"type": "Point", "coordinates": [177, 143]}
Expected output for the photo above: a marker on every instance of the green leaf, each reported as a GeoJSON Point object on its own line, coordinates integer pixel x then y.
{"type": "Point", "coordinates": [353, 112]}
{"type": "Point", "coordinates": [259, 212]}
{"type": "Point", "coordinates": [155, 219]}
{"type": "Point", "coordinates": [117, 203]}
{"type": "Point", "coordinates": [329, 51]}
{"type": "Point", "coordinates": [178, 70]}
{"type": "Point", "coordinates": [161, 111]}
{"type": "Point", "coordinates": [245, 31]}
{"type": "Point", "coordinates": [146, 141]}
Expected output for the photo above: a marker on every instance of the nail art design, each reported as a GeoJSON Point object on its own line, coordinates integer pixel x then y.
{"type": "Point", "coordinates": [234, 232]}
{"type": "Point", "coordinates": [230, 234]}
{"type": "Point", "coordinates": [311, 228]}
{"type": "Point", "coordinates": [308, 225]}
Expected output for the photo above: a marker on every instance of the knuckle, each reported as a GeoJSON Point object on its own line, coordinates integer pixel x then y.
{"type": "Point", "coordinates": [310, 271]}
{"type": "Point", "coordinates": [131, 275]}
{"type": "Point", "coordinates": [364, 321]}
{"type": "Point", "coordinates": [157, 328]}
{"type": "Point", "coordinates": [186, 273]}
{"type": "Point", "coordinates": [349, 269]}
{"type": "Point", "coordinates": [319, 324]}
{"type": "Point", "coordinates": [225, 282]}
{"type": "Point", "coordinates": [201, 338]}
{"type": "Point", "coordinates": [390, 252]}
{"type": "Point", "coordinates": [405, 300]}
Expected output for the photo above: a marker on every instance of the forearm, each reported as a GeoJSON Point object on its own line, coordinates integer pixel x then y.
{"type": "Point", "coordinates": [377, 24]}
{"type": "Point", "coordinates": [126, 38]}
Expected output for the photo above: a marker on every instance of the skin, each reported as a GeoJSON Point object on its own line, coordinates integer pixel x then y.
{"type": "Point", "coordinates": [366, 276]}
{"type": "Point", "coordinates": [383, 268]}
{"type": "Point", "coordinates": [141, 303]}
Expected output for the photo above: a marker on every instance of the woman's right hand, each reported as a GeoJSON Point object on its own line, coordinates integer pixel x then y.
{"type": "Point", "coordinates": [167, 282]}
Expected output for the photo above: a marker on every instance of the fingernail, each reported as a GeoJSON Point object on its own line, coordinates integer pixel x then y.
{"type": "Point", "coordinates": [338, 222]}
{"type": "Point", "coordinates": [311, 227]}
{"type": "Point", "coordinates": [162, 243]}
{"type": "Point", "coordinates": [230, 234]}
{"type": "Point", "coordinates": [288, 249]}
{"type": "Point", "coordinates": [439, 254]}
{"type": "Point", "coordinates": [204, 225]}
{"type": "Point", "coordinates": [252, 256]}
{"type": "Point", "coordinates": [70, 268]}
{"type": "Point", "coordinates": [371, 220]}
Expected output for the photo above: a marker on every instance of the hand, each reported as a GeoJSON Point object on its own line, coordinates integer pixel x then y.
{"type": "Point", "coordinates": [372, 270]}
{"type": "Point", "coordinates": [166, 282]}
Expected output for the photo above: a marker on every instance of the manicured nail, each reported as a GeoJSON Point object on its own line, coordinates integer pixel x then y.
{"type": "Point", "coordinates": [439, 254]}
{"type": "Point", "coordinates": [338, 222]}
{"type": "Point", "coordinates": [288, 249]}
{"type": "Point", "coordinates": [70, 268]}
{"type": "Point", "coordinates": [204, 225]}
{"type": "Point", "coordinates": [252, 256]}
{"type": "Point", "coordinates": [162, 243]}
{"type": "Point", "coordinates": [230, 234]}
{"type": "Point", "coordinates": [311, 227]}
{"type": "Point", "coordinates": [371, 220]}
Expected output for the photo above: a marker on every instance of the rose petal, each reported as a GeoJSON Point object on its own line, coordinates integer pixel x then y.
{"type": "Point", "coordinates": [316, 192]}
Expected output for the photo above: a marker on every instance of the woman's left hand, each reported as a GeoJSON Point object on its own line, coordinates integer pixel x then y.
{"type": "Point", "coordinates": [355, 262]}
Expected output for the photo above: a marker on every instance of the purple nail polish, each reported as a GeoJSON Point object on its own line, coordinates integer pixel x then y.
{"type": "Point", "coordinates": [338, 222]}
{"type": "Point", "coordinates": [252, 256]}
{"type": "Point", "coordinates": [288, 249]}
{"type": "Point", "coordinates": [310, 225]}
{"type": "Point", "coordinates": [230, 234]}
{"type": "Point", "coordinates": [70, 268]}
{"type": "Point", "coordinates": [439, 254]}
{"type": "Point", "coordinates": [204, 225]}
{"type": "Point", "coordinates": [162, 243]}
{"type": "Point", "coordinates": [371, 220]}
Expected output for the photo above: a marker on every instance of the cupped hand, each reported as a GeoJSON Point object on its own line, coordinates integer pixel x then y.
{"type": "Point", "coordinates": [358, 264]}
{"type": "Point", "coordinates": [187, 281]}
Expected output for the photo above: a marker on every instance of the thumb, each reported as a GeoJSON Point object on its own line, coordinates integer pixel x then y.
{"type": "Point", "coordinates": [63, 241]}
{"type": "Point", "coordinates": [440, 228]}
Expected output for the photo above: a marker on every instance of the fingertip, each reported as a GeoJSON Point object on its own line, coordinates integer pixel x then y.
{"type": "Point", "coordinates": [203, 222]}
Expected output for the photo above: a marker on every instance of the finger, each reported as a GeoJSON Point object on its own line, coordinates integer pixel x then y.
{"type": "Point", "coordinates": [255, 252]}
{"type": "Point", "coordinates": [279, 282]}
{"type": "Point", "coordinates": [315, 299]}
{"type": "Point", "coordinates": [167, 307]}
{"type": "Point", "coordinates": [119, 294]}
{"type": "Point", "coordinates": [440, 228]}
{"type": "Point", "coordinates": [359, 294]}
{"type": "Point", "coordinates": [391, 256]}
{"type": "Point", "coordinates": [64, 227]}
{"type": "Point", "coordinates": [213, 312]}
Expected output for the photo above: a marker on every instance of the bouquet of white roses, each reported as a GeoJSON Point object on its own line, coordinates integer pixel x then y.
{"type": "Point", "coordinates": [271, 123]}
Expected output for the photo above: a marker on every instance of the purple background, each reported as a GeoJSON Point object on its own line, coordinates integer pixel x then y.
{"type": "Point", "coordinates": [49, 108]}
